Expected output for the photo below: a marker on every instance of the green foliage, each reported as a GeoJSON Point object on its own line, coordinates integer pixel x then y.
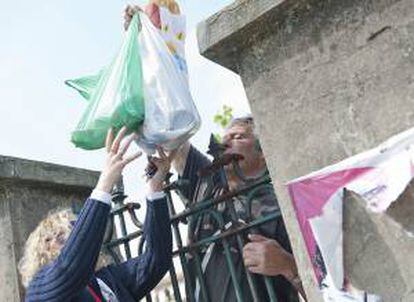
{"type": "Point", "coordinates": [223, 119]}
{"type": "Point", "coordinates": [217, 137]}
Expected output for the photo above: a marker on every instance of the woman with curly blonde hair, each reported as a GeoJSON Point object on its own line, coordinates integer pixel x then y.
{"type": "Point", "coordinates": [45, 242]}
{"type": "Point", "coordinates": [60, 261]}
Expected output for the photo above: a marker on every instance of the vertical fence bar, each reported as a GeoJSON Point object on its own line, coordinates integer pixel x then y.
{"type": "Point", "coordinates": [111, 244]}
{"type": "Point", "coordinates": [184, 264]}
{"type": "Point", "coordinates": [118, 198]}
{"type": "Point", "coordinates": [270, 289]}
{"type": "Point", "coordinates": [173, 274]}
{"type": "Point", "coordinates": [230, 265]}
{"type": "Point", "coordinates": [174, 282]}
{"type": "Point", "coordinates": [227, 253]}
{"type": "Point", "coordinates": [107, 238]}
{"type": "Point", "coordinates": [177, 236]}
{"type": "Point", "coordinates": [268, 281]}
{"type": "Point", "coordinates": [250, 279]}
{"type": "Point", "coordinates": [124, 233]}
{"type": "Point", "coordinates": [140, 250]}
{"type": "Point", "coordinates": [200, 277]}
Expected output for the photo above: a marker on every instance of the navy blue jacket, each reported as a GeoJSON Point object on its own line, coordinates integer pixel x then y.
{"type": "Point", "coordinates": [67, 278]}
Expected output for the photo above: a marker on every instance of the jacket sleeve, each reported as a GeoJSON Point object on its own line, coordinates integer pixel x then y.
{"type": "Point", "coordinates": [68, 275]}
{"type": "Point", "coordinates": [194, 163]}
{"type": "Point", "coordinates": [141, 274]}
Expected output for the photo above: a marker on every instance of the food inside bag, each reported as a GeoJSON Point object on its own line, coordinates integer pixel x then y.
{"type": "Point", "coordinates": [171, 117]}
{"type": "Point", "coordinates": [145, 88]}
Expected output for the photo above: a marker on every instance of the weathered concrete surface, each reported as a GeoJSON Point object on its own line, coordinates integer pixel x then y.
{"type": "Point", "coordinates": [325, 80]}
{"type": "Point", "coordinates": [377, 252]}
{"type": "Point", "coordinates": [28, 191]}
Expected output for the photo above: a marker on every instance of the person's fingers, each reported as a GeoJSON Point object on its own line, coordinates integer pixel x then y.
{"type": "Point", "coordinates": [128, 13]}
{"type": "Point", "coordinates": [109, 139]}
{"type": "Point", "coordinates": [250, 258]}
{"type": "Point", "coordinates": [126, 10]}
{"type": "Point", "coordinates": [161, 165]}
{"type": "Point", "coordinates": [257, 238]}
{"type": "Point", "coordinates": [131, 158]}
{"type": "Point", "coordinates": [125, 147]}
{"type": "Point", "coordinates": [157, 161]}
{"type": "Point", "coordinates": [126, 25]}
{"type": "Point", "coordinates": [127, 17]}
{"type": "Point", "coordinates": [249, 262]}
{"type": "Point", "coordinates": [130, 10]}
{"type": "Point", "coordinates": [137, 8]}
{"type": "Point", "coordinates": [118, 139]}
{"type": "Point", "coordinates": [255, 269]}
{"type": "Point", "coordinates": [172, 154]}
{"type": "Point", "coordinates": [150, 165]}
{"type": "Point", "coordinates": [161, 152]}
{"type": "Point", "coordinates": [248, 247]}
{"type": "Point", "coordinates": [246, 252]}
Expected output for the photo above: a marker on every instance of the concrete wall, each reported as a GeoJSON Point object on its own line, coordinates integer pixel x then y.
{"type": "Point", "coordinates": [28, 191]}
{"type": "Point", "coordinates": [325, 80]}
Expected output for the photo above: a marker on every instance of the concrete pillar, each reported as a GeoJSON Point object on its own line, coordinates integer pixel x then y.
{"type": "Point", "coordinates": [28, 191]}
{"type": "Point", "coordinates": [325, 80]}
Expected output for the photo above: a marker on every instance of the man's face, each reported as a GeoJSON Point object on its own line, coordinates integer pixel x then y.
{"type": "Point", "coordinates": [240, 139]}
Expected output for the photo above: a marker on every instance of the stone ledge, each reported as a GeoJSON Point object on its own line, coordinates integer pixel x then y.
{"type": "Point", "coordinates": [223, 36]}
{"type": "Point", "coordinates": [17, 169]}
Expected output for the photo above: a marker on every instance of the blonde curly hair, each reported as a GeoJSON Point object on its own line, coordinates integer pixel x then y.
{"type": "Point", "coordinates": [39, 249]}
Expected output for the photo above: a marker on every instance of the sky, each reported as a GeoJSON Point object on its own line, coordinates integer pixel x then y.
{"type": "Point", "coordinates": [46, 42]}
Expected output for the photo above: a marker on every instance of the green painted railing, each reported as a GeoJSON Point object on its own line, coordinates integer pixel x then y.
{"type": "Point", "coordinates": [191, 216]}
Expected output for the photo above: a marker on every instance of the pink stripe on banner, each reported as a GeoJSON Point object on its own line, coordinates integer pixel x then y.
{"type": "Point", "coordinates": [309, 196]}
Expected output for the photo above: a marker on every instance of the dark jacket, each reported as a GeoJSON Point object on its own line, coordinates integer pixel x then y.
{"type": "Point", "coordinates": [216, 273]}
{"type": "Point", "coordinates": [72, 274]}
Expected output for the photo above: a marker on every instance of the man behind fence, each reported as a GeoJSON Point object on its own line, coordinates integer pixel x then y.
{"type": "Point", "coordinates": [267, 251]}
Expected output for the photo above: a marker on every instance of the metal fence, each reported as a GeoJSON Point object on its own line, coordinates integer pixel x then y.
{"type": "Point", "coordinates": [190, 248]}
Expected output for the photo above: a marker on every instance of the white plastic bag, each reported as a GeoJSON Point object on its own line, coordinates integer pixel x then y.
{"type": "Point", "coordinates": [171, 117]}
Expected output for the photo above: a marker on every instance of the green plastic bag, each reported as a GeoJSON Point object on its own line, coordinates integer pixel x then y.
{"type": "Point", "coordinates": [86, 86]}
{"type": "Point", "coordinates": [115, 95]}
